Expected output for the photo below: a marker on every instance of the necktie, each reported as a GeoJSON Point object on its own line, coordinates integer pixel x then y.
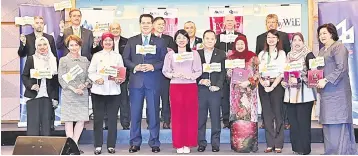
{"type": "Point", "coordinates": [77, 32]}
{"type": "Point", "coordinates": [146, 41]}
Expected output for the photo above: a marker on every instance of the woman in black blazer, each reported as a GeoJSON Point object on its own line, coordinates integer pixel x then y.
{"type": "Point", "coordinates": [41, 91]}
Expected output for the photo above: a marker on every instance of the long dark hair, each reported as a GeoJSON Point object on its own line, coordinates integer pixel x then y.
{"type": "Point", "coordinates": [278, 45]}
{"type": "Point", "coordinates": [183, 32]}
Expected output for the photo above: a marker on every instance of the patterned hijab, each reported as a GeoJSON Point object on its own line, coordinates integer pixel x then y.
{"type": "Point", "coordinates": [294, 55]}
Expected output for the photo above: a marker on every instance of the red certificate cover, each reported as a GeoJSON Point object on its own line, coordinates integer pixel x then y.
{"type": "Point", "coordinates": [313, 77]}
{"type": "Point", "coordinates": [121, 74]}
{"type": "Point", "coordinates": [293, 74]}
{"type": "Point", "coordinates": [239, 75]}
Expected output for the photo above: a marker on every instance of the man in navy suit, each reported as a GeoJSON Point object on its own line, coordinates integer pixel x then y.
{"type": "Point", "coordinates": [144, 81]}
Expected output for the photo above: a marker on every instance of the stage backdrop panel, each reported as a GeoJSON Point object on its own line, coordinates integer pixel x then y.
{"type": "Point", "coordinates": [344, 16]}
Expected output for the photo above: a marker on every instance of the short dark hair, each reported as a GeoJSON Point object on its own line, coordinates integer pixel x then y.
{"type": "Point", "coordinates": [209, 31]}
{"type": "Point", "coordinates": [145, 15]}
{"type": "Point", "coordinates": [278, 45]}
{"type": "Point", "coordinates": [159, 18]}
{"type": "Point", "coordinates": [331, 29]}
{"type": "Point", "coordinates": [183, 32]}
{"type": "Point", "coordinates": [73, 10]}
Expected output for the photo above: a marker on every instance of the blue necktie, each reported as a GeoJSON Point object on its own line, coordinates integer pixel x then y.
{"type": "Point", "coordinates": [146, 41]}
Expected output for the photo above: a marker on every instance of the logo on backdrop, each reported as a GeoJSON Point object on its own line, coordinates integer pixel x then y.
{"type": "Point", "coordinates": [289, 22]}
{"type": "Point", "coordinates": [347, 36]}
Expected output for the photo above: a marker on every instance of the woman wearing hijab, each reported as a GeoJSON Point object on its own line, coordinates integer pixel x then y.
{"type": "Point", "coordinates": [105, 93]}
{"type": "Point", "coordinates": [299, 98]}
{"type": "Point", "coordinates": [41, 89]}
{"type": "Point", "coordinates": [243, 99]}
{"type": "Point", "coordinates": [183, 91]}
{"type": "Point", "coordinates": [73, 77]}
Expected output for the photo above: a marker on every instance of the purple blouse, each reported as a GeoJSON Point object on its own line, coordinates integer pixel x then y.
{"type": "Point", "coordinates": [189, 68]}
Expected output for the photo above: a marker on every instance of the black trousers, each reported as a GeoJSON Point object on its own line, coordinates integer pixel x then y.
{"type": "Point", "coordinates": [300, 132]}
{"type": "Point", "coordinates": [225, 102]}
{"type": "Point", "coordinates": [164, 95]}
{"type": "Point", "coordinates": [39, 116]}
{"type": "Point", "coordinates": [124, 107]}
{"type": "Point", "coordinates": [105, 104]}
{"type": "Point", "coordinates": [272, 105]}
{"type": "Point", "coordinates": [209, 101]}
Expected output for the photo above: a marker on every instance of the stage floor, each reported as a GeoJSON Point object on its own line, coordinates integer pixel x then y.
{"type": "Point", "coordinates": [167, 149]}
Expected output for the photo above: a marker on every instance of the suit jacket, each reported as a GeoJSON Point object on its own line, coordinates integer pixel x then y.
{"type": "Point", "coordinates": [216, 78]}
{"type": "Point", "coordinates": [87, 42]}
{"type": "Point", "coordinates": [168, 41]}
{"type": "Point", "coordinates": [225, 46]}
{"type": "Point", "coordinates": [121, 44]}
{"type": "Point", "coordinates": [52, 85]}
{"type": "Point", "coordinates": [29, 48]}
{"type": "Point", "coordinates": [152, 79]}
{"type": "Point", "coordinates": [261, 39]}
{"type": "Point", "coordinates": [197, 41]}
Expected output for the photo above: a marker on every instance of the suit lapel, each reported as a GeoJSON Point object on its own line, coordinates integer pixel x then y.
{"type": "Point", "coordinates": [82, 33]}
{"type": "Point", "coordinates": [202, 57]}
{"type": "Point", "coordinates": [151, 40]}
{"type": "Point", "coordinates": [139, 39]}
{"type": "Point", "coordinates": [31, 41]}
{"type": "Point", "coordinates": [213, 56]}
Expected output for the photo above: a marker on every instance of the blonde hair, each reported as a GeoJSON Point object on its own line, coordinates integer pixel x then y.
{"type": "Point", "coordinates": [272, 16]}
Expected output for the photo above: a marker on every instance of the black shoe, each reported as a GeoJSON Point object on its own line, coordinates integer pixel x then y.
{"type": "Point", "coordinates": [262, 126]}
{"type": "Point", "coordinates": [125, 127]}
{"type": "Point", "coordinates": [155, 149]}
{"type": "Point", "coordinates": [81, 152]}
{"type": "Point", "coordinates": [215, 149]}
{"type": "Point", "coordinates": [97, 152]}
{"type": "Point", "coordinates": [105, 128]}
{"type": "Point", "coordinates": [111, 150]}
{"type": "Point", "coordinates": [166, 126]}
{"type": "Point", "coordinates": [134, 149]}
{"type": "Point", "coordinates": [201, 148]}
{"type": "Point", "coordinates": [226, 125]}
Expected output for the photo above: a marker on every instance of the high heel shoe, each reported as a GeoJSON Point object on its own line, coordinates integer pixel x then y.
{"type": "Point", "coordinates": [278, 150]}
{"type": "Point", "coordinates": [268, 150]}
{"type": "Point", "coordinates": [98, 151]}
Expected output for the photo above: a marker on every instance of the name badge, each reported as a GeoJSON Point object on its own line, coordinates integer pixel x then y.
{"type": "Point", "coordinates": [40, 74]}
{"type": "Point", "coordinates": [186, 56]}
{"type": "Point", "coordinates": [72, 74]}
{"type": "Point", "coordinates": [108, 71]}
{"type": "Point", "coordinates": [236, 63]}
{"type": "Point", "coordinates": [212, 67]}
{"type": "Point", "coordinates": [148, 49]}
{"type": "Point", "coordinates": [227, 38]}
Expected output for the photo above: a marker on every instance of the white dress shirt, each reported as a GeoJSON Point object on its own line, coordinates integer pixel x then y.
{"type": "Point", "coordinates": [265, 58]}
{"type": "Point", "coordinates": [192, 43]}
{"type": "Point", "coordinates": [208, 54]}
{"type": "Point", "coordinates": [116, 46]}
{"type": "Point", "coordinates": [43, 89]}
{"type": "Point", "coordinates": [104, 59]}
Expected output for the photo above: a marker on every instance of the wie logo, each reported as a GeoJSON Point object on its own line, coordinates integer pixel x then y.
{"type": "Point", "coordinates": [347, 36]}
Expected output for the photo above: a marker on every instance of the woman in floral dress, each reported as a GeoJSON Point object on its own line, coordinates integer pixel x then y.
{"type": "Point", "coordinates": [243, 99]}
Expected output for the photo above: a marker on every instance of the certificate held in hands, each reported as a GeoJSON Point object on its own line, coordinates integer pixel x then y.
{"type": "Point", "coordinates": [121, 73]}
{"type": "Point", "coordinates": [239, 75]}
{"type": "Point", "coordinates": [313, 77]}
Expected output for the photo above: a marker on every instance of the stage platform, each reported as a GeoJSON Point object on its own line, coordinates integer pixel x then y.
{"type": "Point", "coordinates": [167, 149]}
{"type": "Point", "coordinates": [9, 132]}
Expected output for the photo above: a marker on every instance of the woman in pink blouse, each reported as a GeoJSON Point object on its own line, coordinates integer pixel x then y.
{"type": "Point", "coordinates": [183, 67]}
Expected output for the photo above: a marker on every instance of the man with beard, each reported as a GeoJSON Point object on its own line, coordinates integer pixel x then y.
{"type": "Point", "coordinates": [27, 46]}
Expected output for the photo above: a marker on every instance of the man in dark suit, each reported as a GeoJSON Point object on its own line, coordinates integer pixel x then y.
{"type": "Point", "coordinates": [272, 23]}
{"type": "Point", "coordinates": [124, 107]}
{"type": "Point", "coordinates": [191, 29]}
{"type": "Point", "coordinates": [226, 45]}
{"type": "Point", "coordinates": [85, 34]}
{"type": "Point", "coordinates": [27, 46]}
{"type": "Point", "coordinates": [159, 27]}
{"type": "Point", "coordinates": [144, 81]}
{"type": "Point", "coordinates": [210, 92]}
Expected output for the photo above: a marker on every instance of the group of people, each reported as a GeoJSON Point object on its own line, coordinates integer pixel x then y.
{"type": "Point", "coordinates": [189, 75]}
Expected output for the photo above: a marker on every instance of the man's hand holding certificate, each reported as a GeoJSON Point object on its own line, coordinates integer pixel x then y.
{"type": "Point", "coordinates": [144, 50]}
